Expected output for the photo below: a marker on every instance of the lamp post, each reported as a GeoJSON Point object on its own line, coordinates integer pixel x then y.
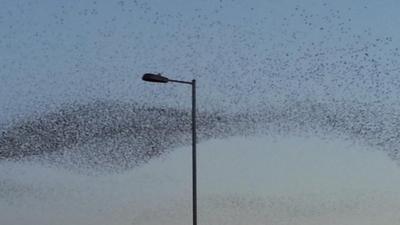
{"type": "Point", "coordinates": [157, 78]}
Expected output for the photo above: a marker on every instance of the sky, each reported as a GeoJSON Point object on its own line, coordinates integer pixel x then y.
{"type": "Point", "coordinates": [241, 180]}
{"type": "Point", "coordinates": [243, 54]}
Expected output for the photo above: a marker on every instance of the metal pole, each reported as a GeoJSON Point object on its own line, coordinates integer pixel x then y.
{"type": "Point", "coordinates": [194, 140]}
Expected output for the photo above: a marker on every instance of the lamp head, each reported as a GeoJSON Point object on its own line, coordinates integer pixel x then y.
{"type": "Point", "coordinates": [157, 78]}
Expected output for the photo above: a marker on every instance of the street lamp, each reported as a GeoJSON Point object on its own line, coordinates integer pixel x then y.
{"type": "Point", "coordinates": [157, 78]}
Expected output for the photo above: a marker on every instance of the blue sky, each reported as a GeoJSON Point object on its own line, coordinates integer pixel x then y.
{"type": "Point", "coordinates": [244, 53]}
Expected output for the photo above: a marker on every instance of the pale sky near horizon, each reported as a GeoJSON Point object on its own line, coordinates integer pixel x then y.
{"type": "Point", "coordinates": [242, 52]}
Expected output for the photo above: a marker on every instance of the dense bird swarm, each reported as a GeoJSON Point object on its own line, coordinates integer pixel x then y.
{"type": "Point", "coordinates": [114, 135]}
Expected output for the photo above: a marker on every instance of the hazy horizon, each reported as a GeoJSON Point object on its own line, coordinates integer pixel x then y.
{"type": "Point", "coordinates": [256, 180]}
